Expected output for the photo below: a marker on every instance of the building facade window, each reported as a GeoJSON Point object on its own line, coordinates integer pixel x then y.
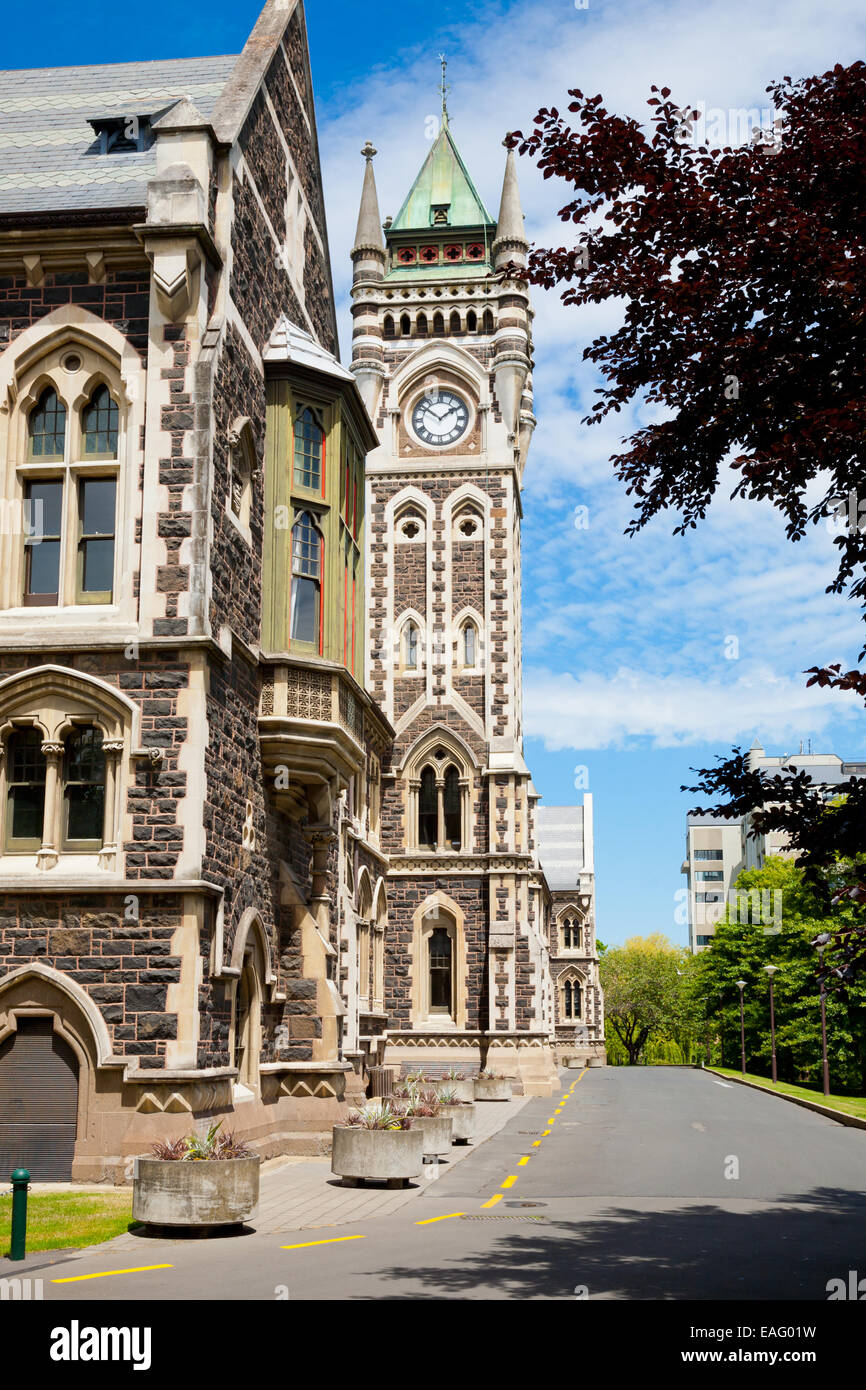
{"type": "Point", "coordinates": [709, 854]}
{"type": "Point", "coordinates": [440, 797]}
{"type": "Point", "coordinates": [306, 587]}
{"type": "Point", "coordinates": [441, 972]}
{"type": "Point", "coordinates": [709, 876]}
{"type": "Point", "coordinates": [571, 999]}
{"type": "Point", "coordinates": [309, 450]}
{"type": "Point", "coordinates": [570, 928]}
{"type": "Point", "coordinates": [25, 790]}
{"type": "Point", "coordinates": [71, 492]}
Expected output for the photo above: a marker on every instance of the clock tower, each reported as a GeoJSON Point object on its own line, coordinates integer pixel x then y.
{"type": "Point", "coordinates": [442, 352]}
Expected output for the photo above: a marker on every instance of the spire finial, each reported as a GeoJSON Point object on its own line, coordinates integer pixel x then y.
{"type": "Point", "coordinates": [444, 89]}
{"type": "Point", "coordinates": [368, 151]}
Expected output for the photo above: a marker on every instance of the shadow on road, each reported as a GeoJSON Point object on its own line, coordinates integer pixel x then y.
{"type": "Point", "coordinates": [787, 1251]}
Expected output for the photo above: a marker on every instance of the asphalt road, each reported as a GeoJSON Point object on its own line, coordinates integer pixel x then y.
{"type": "Point", "coordinates": [649, 1183]}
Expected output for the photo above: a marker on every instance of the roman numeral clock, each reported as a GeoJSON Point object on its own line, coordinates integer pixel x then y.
{"type": "Point", "coordinates": [440, 418]}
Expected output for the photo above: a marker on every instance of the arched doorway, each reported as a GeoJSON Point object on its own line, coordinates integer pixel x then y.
{"type": "Point", "coordinates": [38, 1102]}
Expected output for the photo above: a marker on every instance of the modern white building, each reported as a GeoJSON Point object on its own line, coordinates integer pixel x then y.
{"type": "Point", "coordinates": [718, 851]}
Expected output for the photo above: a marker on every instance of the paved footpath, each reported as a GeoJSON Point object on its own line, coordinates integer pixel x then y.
{"type": "Point", "coordinates": [633, 1184]}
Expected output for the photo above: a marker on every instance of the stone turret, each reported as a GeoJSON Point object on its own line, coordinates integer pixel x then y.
{"type": "Point", "coordinates": [512, 361]}
{"type": "Point", "coordinates": [368, 258]}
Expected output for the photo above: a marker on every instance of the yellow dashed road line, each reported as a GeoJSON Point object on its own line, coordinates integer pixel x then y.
{"type": "Point", "coordinates": [510, 1181]}
{"type": "Point", "coordinates": [431, 1219]}
{"type": "Point", "coordinates": [523, 1162]}
{"type": "Point", "coordinates": [493, 1200]}
{"type": "Point", "coordinates": [335, 1240]}
{"type": "Point", "coordinates": [106, 1273]}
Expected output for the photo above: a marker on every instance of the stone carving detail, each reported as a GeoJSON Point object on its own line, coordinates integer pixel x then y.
{"type": "Point", "coordinates": [268, 698]}
{"type": "Point", "coordinates": [309, 696]}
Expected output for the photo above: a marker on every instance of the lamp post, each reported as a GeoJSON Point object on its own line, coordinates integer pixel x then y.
{"type": "Point", "coordinates": [741, 985]}
{"type": "Point", "coordinates": [771, 970]}
{"type": "Point", "coordinates": [826, 1064]}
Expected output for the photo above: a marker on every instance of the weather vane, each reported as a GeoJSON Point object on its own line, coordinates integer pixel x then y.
{"type": "Point", "coordinates": [444, 89]}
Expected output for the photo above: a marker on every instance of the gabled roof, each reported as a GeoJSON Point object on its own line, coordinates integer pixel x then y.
{"type": "Point", "coordinates": [443, 182]}
{"type": "Point", "coordinates": [289, 343]}
{"type": "Point", "coordinates": [47, 146]}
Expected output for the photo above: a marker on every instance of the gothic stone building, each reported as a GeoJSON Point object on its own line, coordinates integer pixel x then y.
{"type": "Point", "coordinates": [565, 847]}
{"type": "Point", "coordinates": [442, 350]}
{"type": "Point", "coordinates": [264, 815]}
{"type": "Point", "coordinates": [189, 759]}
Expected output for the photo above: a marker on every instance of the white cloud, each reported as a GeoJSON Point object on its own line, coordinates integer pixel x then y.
{"type": "Point", "coordinates": [594, 711]}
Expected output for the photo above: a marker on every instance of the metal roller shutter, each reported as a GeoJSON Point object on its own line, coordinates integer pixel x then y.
{"type": "Point", "coordinates": [38, 1102]}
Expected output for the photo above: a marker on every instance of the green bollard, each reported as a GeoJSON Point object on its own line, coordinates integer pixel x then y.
{"type": "Point", "coordinates": [20, 1182]}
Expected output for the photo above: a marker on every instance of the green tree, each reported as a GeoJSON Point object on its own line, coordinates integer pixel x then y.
{"type": "Point", "coordinates": [642, 996]}
{"type": "Point", "coordinates": [746, 941]}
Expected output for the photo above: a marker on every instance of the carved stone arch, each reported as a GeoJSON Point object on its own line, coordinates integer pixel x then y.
{"type": "Point", "coordinates": [364, 894]}
{"type": "Point", "coordinates": [424, 745]}
{"type": "Point", "coordinates": [438, 912]}
{"type": "Point", "coordinates": [380, 903]}
{"type": "Point", "coordinates": [444, 354]}
{"type": "Point", "coordinates": [565, 981]}
{"type": "Point", "coordinates": [68, 326]}
{"type": "Point", "coordinates": [251, 923]}
{"type": "Point", "coordinates": [54, 695]}
{"type": "Point", "coordinates": [38, 986]}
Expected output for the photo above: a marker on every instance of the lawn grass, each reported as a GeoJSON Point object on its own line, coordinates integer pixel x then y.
{"type": "Point", "coordinates": [57, 1220]}
{"type": "Point", "coordinates": [849, 1105]}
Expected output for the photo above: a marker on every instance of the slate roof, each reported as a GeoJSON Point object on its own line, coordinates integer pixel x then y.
{"type": "Point", "coordinates": [559, 836]}
{"type": "Point", "coordinates": [47, 158]}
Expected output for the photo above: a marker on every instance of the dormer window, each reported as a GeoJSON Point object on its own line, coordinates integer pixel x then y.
{"type": "Point", "coordinates": [124, 134]}
{"type": "Point", "coordinates": [439, 215]}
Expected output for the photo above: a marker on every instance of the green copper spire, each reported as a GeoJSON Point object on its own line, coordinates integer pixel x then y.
{"type": "Point", "coordinates": [443, 195]}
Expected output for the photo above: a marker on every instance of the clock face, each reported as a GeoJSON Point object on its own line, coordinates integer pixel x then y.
{"type": "Point", "coordinates": [440, 418]}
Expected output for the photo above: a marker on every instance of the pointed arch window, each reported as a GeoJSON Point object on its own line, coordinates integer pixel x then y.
{"type": "Point", "coordinates": [439, 804]}
{"type": "Point", "coordinates": [488, 321]}
{"type": "Point", "coordinates": [454, 321]}
{"type": "Point", "coordinates": [99, 425]}
{"type": "Point", "coordinates": [421, 325]}
{"type": "Point", "coordinates": [306, 586]}
{"type": "Point", "coordinates": [411, 652]}
{"type": "Point", "coordinates": [47, 427]}
{"type": "Point", "coordinates": [471, 321]}
{"type": "Point", "coordinates": [405, 325]}
{"type": "Point", "coordinates": [428, 809]}
{"type": "Point", "coordinates": [571, 999]}
{"type": "Point", "coordinates": [309, 449]}
{"type": "Point", "coordinates": [452, 810]}
{"type": "Point", "coordinates": [441, 971]}
{"type": "Point", "coordinates": [570, 934]}
{"type": "Point", "coordinates": [71, 513]}
{"type": "Point", "coordinates": [438, 325]}
{"type": "Point", "coordinates": [468, 645]}
{"type": "Point", "coordinates": [388, 330]}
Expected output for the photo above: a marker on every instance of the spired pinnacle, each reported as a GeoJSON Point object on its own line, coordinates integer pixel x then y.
{"type": "Point", "coordinates": [444, 89]}
{"type": "Point", "coordinates": [368, 234]}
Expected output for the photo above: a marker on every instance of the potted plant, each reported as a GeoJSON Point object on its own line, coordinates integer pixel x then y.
{"type": "Point", "coordinates": [462, 1113]}
{"type": "Point", "coordinates": [200, 1180]}
{"type": "Point", "coordinates": [425, 1113]}
{"type": "Point", "coordinates": [460, 1083]}
{"type": "Point", "coordinates": [376, 1143]}
{"type": "Point", "coordinates": [490, 1085]}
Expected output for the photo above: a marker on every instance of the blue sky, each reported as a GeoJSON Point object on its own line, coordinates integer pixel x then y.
{"type": "Point", "coordinates": [643, 657]}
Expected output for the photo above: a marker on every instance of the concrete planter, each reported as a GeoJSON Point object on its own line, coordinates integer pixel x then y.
{"type": "Point", "coordinates": [187, 1192]}
{"type": "Point", "coordinates": [492, 1088]}
{"type": "Point", "coordinates": [385, 1155]}
{"type": "Point", "coordinates": [462, 1121]}
{"type": "Point", "coordinates": [464, 1090]}
{"type": "Point", "coordinates": [436, 1132]}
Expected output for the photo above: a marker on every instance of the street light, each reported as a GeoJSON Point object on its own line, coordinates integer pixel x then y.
{"type": "Point", "coordinates": [826, 1064]}
{"type": "Point", "coordinates": [741, 985]}
{"type": "Point", "coordinates": [771, 970]}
